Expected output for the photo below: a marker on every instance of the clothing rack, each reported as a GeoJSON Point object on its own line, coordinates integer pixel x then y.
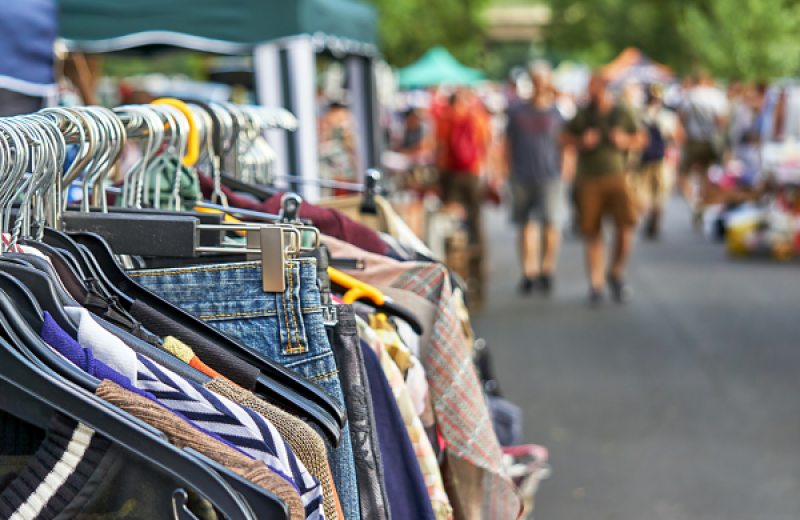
{"type": "Point", "coordinates": [255, 308]}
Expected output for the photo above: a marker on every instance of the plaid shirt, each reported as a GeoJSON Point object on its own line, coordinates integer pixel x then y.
{"type": "Point", "coordinates": [462, 416]}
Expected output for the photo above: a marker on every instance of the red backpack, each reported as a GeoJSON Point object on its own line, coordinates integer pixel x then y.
{"type": "Point", "coordinates": [464, 145]}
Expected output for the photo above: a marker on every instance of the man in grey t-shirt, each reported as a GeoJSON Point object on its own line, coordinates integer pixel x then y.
{"type": "Point", "coordinates": [537, 189]}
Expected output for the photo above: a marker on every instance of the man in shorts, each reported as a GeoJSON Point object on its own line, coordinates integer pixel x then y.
{"type": "Point", "coordinates": [534, 152]}
{"type": "Point", "coordinates": [603, 133]}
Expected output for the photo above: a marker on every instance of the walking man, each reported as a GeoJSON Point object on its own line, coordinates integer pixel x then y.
{"type": "Point", "coordinates": [535, 179]}
{"type": "Point", "coordinates": [603, 133]}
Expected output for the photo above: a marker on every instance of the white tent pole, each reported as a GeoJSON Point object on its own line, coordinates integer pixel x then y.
{"type": "Point", "coordinates": [360, 109]}
{"type": "Point", "coordinates": [269, 92]}
{"type": "Point", "coordinates": [302, 80]}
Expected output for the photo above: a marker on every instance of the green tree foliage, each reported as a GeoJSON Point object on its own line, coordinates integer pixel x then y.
{"type": "Point", "coordinates": [748, 38]}
{"type": "Point", "coordinates": [745, 39]}
{"type": "Point", "coordinates": [408, 28]}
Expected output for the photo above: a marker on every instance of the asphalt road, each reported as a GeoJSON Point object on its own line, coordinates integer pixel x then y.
{"type": "Point", "coordinates": [681, 405]}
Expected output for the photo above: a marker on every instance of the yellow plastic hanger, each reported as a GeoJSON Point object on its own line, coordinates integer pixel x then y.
{"type": "Point", "coordinates": [356, 289]}
{"type": "Point", "coordinates": [193, 148]}
{"type": "Point", "coordinates": [226, 218]}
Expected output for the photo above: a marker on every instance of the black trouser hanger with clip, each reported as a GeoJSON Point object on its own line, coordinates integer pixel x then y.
{"type": "Point", "coordinates": [277, 384]}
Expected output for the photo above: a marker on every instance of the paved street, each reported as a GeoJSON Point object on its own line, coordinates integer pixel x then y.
{"type": "Point", "coordinates": [682, 405]}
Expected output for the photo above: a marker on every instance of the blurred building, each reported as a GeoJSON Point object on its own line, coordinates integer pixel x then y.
{"type": "Point", "coordinates": [513, 32]}
{"type": "Point", "coordinates": [516, 23]}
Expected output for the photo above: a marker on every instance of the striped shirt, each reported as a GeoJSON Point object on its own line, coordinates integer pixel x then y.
{"type": "Point", "coordinates": [223, 419]}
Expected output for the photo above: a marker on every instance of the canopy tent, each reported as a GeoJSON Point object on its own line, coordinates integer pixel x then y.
{"type": "Point", "coordinates": [436, 67]}
{"type": "Point", "coordinates": [209, 25]}
{"type": "Point", "coordinates": [633, 65]}
{"type": "Point", "coordinates": [282, 36]}
{"type": "Point", "coordinates": [28, 30]}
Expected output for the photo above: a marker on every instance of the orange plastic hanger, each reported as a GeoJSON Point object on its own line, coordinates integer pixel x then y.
{"type": "Point", "coordinates": [356, 289]}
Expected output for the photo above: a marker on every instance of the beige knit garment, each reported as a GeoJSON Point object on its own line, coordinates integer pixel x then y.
{"type": "Point", "coordinates": [304, 441]}
{"type": "Point", "coordinates": [179, 349]}
{"type": "Point", "coordinates": [182, 434]}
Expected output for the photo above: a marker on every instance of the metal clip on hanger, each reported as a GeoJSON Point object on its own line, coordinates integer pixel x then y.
{"type": "Point", "coordinates": [290, 207]}
{"type": "Point", "coordinates": [371, 180]}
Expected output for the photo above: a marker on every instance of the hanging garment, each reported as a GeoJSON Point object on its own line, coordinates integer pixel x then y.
{"type": "Point", "coordinates": [72, 471]}
{"type": "Point", "coordinates": [304, 441]}
{"type": "Point", "coordinates": [360, 412]}
{"type": "Point", "coordinates": [416, 380]}
{"type": "Point", "coordinates": [286, 327]}
{"type": "Point", "coordinates": [72, 452]}
{"type": "Point", "coordinates": [386, 221]}
{"type": "Point", "coordinates": [426, 458]}
{"type": "Point", "coordinates": [244, 429]}
{"type": "Point", "coordinates": [240, 426]}
{"type": "Point", "coordinates": [182, 435]}
{"type": "Point", "coordinates": [409, 496]}
{"type": "Point", "coordinates": [474, 475]}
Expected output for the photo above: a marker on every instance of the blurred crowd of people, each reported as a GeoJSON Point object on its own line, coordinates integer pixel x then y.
{"type": "Point", "coordinates": [616, 151]}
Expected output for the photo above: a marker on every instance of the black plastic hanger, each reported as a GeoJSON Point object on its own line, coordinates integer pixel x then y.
{"type": "Point", "coordinates": [47, 292]}
{"type": "Point", "coordinates": [72, 280]}
{"type": "Point", "coordinates": [205, 237]}
{"type": "Point", "coordinates": [281, 386]}
{"type": "Point", "coordinates": [17, 330]}
{"type": "Point", "coordinates": [24, 301]}
{"type": "Point", "coordinates": [33, 396]}
{"type": "Point", "coordinates": [389, 308]}
{"type": "Point", "coordinates": [262, 193]}
{"type": "Point", "coordinates": [25, 338]}
{"type": "Point", "coordinates": [21, 333]}
{"type": "Point", "coordinates": [87, 262]}
{"type": "Point", "coordinates": [72, 261]}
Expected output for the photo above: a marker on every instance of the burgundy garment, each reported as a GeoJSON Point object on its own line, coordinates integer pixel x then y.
{"type": "Point", "coordinates": [329, 221]}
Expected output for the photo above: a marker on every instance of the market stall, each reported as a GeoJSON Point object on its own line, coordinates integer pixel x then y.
{"type": "Point", "coordinates": [633, 65]}
{"type": "Point", "coordinates": [437, 67]}
{"type": "Point", "coordinates": [284, 39]}
{"type": "Point", "coordinates": [767, 223]}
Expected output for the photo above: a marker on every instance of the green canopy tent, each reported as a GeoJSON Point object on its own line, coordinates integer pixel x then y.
{"type": "Point", "coordinates": [283, 36]}
{"type": "Point", "coordinates": [209, 25]}
{"type": "Point", "coordinates": [438, 67]}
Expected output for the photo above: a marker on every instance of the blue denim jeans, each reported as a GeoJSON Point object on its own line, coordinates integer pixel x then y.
{"type": "Point", "coordinates": [286, 327]}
